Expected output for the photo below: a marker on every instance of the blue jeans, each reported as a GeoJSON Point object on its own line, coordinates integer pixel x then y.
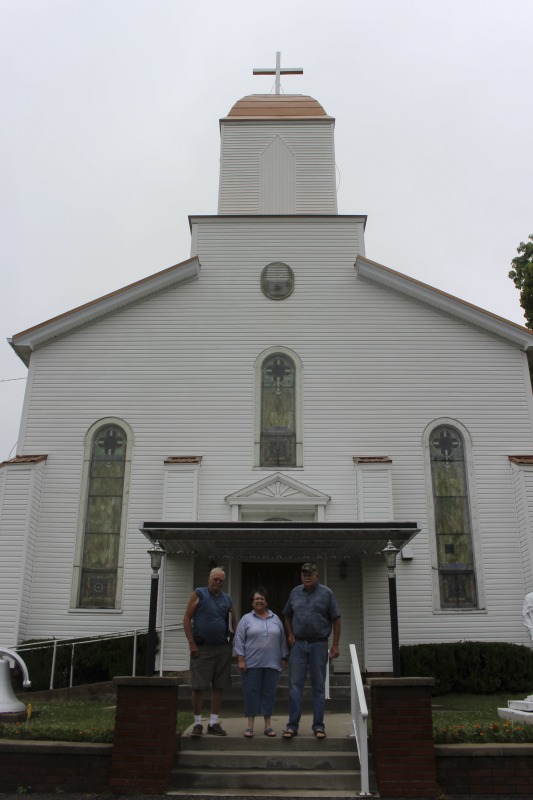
{"type": "Point", "coordinates": [315, 656]}
{"type": "Point", "coordinates": [259, 689]}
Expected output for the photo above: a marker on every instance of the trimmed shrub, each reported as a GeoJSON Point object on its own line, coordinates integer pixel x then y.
{"type": "Point", "coordinates": [473, 667]}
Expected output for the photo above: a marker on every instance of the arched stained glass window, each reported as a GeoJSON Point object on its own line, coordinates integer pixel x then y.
{"type": "Point", "coordinates": [104, 515]}
{"type": "Point", "coordinates": [278, 411]}
{"type": "Point", "coordinates": [453, 527]}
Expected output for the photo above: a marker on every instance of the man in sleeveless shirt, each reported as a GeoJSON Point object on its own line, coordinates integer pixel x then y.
{"type": "Point", "coordinates": [206, 626]}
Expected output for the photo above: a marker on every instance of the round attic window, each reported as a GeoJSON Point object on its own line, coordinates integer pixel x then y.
{"type": "Point", "coordinates": [277, 280]}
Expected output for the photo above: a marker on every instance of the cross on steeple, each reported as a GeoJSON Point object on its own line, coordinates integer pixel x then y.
{"type": "Point", "coordinates": [278, 71]}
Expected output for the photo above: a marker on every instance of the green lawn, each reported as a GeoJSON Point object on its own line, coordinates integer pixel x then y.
{"type": "Point", "coordinates": [89, 721]}
{"type": "Point", "coordinates": [474, 718]}
{"type": "Point", "coordinates": [456, 718]}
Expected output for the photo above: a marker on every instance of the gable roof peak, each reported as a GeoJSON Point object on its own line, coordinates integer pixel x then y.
{"type": "Point", "coordinates": [26, 341]}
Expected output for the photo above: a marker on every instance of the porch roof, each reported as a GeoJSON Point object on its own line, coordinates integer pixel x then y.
{"type": "Point", "coordinates": [279, 541]}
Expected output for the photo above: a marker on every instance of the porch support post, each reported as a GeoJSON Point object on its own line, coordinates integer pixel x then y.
{"type": "Point", "coordinates": [395, 636]}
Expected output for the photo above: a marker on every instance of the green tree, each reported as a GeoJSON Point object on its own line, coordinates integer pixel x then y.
{"type": "Point", "coordinates": [522, 276]}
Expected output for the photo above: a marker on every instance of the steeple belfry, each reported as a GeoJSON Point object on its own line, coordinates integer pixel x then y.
{"type": "Point", "coordinates": [277, 154]}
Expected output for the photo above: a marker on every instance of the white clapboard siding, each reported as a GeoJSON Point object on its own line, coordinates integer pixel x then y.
{"type": "Point", "coordinates": [244, 172]}
{"type": "Point", "coordinates": [20, 495]}
{"type": "Point", "coordinates": [523, 484]}
{"type": "Point", "coordinates": [378, 367]}
{"type": "Point", "coordinates": [180, 497]}
{"type": "Point", "coordinates": [180, 503]}
{"type": "Point", "coordinates": [377, 630]}
{"type": "Point", "coordinates": [177, 587]}
{"type": "Point", "coordinates": [373, 487]}
{"type": "Point", "coordinates": [349, 596]}
{"type": "Point", "coordinates": [277, 179]}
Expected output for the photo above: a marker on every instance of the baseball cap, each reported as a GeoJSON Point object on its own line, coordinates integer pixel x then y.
{"type": "Point", "coordinates": [309, 567]}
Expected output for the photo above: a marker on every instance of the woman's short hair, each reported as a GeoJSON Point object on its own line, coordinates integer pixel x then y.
{"type": "Point", "coordinates": [259, 590]}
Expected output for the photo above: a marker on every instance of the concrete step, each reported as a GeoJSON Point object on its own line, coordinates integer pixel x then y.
{"type": "Point", "coordinates": [273, 760]}
{"type": "Point", "coordinates": [252, 779]}
{"type": "Point", "coordinates": [236, 742]}
{"type": "Point", "coordinates": [232, 701]}
{"type": "Point", "coordinates": [338, 682]}
{"type": "Point", "coordinates": [338, 702]}
{"type": "Point", "coordinates": [233, 766]}
{"type": "Point", "coordinates": [271, 749]}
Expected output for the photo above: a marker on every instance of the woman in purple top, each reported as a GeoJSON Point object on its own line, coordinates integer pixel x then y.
{"type": "Point", "coordinates": [261, 655]}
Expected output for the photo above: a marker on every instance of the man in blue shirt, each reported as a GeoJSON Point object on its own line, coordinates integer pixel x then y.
{"type": "Point", "coordinates": [310, 614]}
{"type": "Point", "coordinates": [206, 626]}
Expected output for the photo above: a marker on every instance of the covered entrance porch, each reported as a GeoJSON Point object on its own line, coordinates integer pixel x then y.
{"type": "Point", "coordinates": [270, 553]}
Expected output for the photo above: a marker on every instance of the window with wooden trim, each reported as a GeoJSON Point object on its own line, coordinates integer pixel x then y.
{"type": "Point", "coordinates": [453, 519]}
{"type": "Point", "coordinates": [99, 562]}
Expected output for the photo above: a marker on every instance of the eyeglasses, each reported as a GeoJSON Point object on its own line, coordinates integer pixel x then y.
{"type": "Point", "coordinates": [217, 580]}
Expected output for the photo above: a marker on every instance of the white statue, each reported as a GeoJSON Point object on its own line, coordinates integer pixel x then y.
{"type": "Point", "coordinates": [522, 710]}
{"type": "Point", "coordinates": [527, 613]}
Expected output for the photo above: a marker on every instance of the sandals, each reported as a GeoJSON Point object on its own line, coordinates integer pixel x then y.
{"type": "Point", "coordinates": [288, 733]}
{"type": "Point", "coordinates": [270, 732]}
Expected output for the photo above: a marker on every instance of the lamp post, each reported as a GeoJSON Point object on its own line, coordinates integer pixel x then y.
{"type": "Point", "coordinates": [156, 553]}
{"type": "Point", "coordinates": [390, 552]}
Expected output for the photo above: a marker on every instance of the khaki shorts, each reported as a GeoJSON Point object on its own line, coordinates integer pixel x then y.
{"type": "Point", "coordinates": [212, 669]}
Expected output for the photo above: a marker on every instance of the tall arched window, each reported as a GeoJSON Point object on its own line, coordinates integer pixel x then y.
{"type": "Point", "coordinates": [98, 569]}
{"type": "Point", "coordinates": [278, 417]}
{"type": "Point", "coordinates": [453, 519]}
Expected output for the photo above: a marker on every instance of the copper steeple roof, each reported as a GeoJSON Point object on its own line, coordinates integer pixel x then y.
{"type": "Point", "coordinates": [277, 106]}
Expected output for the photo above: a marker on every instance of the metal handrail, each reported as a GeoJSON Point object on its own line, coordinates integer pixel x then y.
{"type": "Point", "coordinates": [68, 642]}
{"type": "Point", "coordinates": [359, 711]}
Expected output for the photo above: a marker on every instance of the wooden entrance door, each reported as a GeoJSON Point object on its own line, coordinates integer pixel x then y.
{"type": "Point", "coordinates": [277, 578]}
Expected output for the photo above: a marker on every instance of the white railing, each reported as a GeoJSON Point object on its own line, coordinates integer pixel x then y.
{"type": "Point", "coordinates": [56, 643]}
{"type": "Point", "coordinates": [359, 711]}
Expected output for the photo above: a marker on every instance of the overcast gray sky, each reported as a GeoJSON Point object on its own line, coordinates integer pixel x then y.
{"type": "Point", "coordinates": [110, 138]}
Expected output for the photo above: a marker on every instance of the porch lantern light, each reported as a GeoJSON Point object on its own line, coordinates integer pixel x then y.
{"type": "Point", "coordinates": [156, 553]}
{"type": "Point", "coordinates": [390, 553]}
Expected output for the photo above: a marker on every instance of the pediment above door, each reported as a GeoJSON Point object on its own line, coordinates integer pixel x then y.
{"type": "Point", "coordinates": [278, 494]}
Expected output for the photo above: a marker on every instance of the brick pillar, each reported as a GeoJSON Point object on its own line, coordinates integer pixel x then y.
{"type": "Point", "coordinates": [402, 736]}
{"type": "Point", "coordinates": [144, 747]}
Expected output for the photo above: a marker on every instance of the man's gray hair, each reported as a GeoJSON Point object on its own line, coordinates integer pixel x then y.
{"type": "Point", "coordinates": [218, 569]}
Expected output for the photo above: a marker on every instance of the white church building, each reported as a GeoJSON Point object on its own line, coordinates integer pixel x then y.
{"type": "Point", "coordinates": [276, 397]}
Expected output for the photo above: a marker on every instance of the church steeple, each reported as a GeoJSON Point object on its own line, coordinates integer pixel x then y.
{"type": "Point", "coordinates": [277, 154]}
